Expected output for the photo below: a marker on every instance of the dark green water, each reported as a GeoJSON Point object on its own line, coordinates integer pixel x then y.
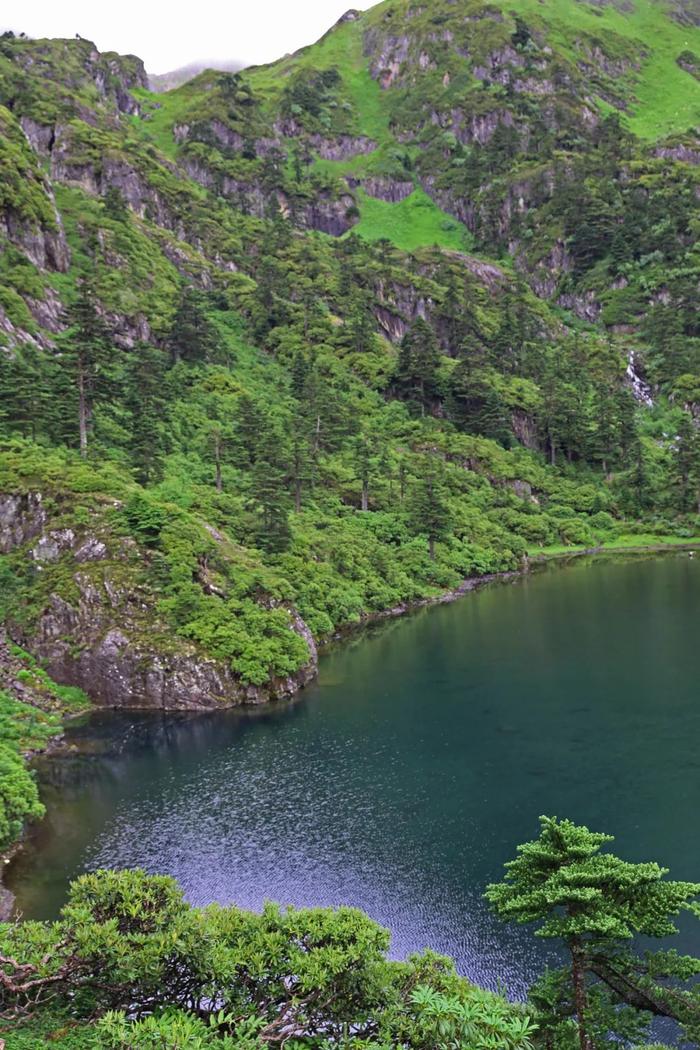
{"type": "Point", "coordinates": [404, 779]}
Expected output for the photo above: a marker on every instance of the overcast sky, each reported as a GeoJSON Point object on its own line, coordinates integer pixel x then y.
{"type": "Point", "coordinates": [169, 35]}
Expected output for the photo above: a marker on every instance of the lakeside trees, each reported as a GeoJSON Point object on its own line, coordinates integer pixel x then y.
{"type": "Point", "coordinates": [596, 904]}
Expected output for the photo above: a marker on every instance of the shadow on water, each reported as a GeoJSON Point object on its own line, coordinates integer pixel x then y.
{"type": "Point", "coordinates": [404, 778]}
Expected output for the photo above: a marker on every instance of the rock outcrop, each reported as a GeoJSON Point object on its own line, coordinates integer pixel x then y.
{"type": "Point", "coordinates": [105, 635]}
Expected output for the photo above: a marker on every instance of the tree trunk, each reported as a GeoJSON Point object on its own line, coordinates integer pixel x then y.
{"type": "Point", "coordinates": [82, 413]}
{"type": "Point", "coordinates": [365, 496]}
{"type": "Point", "coordinates": [552, 451]}
{"type": "Point", "coordinates": [217, 457]}
{"type": "Point", "coordinates": [431, 547]}
{"type": "Point", "coordinates": [578, 980]}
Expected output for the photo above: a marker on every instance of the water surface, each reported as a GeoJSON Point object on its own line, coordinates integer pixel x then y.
{"type": "Point", "coordinates": [405, 777]}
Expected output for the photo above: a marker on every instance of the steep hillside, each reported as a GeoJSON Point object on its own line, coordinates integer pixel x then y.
{"type": "Point", "coordinates": [286, 348]}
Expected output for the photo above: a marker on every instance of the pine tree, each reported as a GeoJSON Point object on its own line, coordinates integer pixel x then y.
{"type": "Point", "coordinates": [145, 401]}
{"type": "Point", "coordinates": [416, 375]}
{"type": "Point", "coordinates": [365, 465]}
{"type": "Point", "coordinates": [193, 337]}
{"type": "Point", "coordinates": [428, 512]}
{"type": "Point", "coordinates": [589, 900]}
{"type": "Point", "coordinates": [359, 334]}
{"type": "Point", "coordinates": [27, 392]}
{"type": "Point", "coordinates": [686, 465]}
{"type": "Point", "coordinates": [300, 459]}
{"type": "Point", "coordinates": [84, 358]}
{"type": "Point", "coordinates": [247, 427]}
{"type": "Point", "coordinates": [269, 489]}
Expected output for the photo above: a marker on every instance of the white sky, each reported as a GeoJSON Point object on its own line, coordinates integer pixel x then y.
{"type": "Point", "coordinates": [168, 35]}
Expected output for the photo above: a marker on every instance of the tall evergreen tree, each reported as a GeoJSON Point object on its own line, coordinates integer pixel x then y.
{"type": "Point", "coordinates": [193, 338]}
{"type": "Point", "coordinates": [269, 489]}
{"type": "Point", "coordinates": [416, 376]}
{"type": "Point", "coordinates": [85, 351]}
{"type": "Point", "coordinates": [428, 511]}
{"type": "Point", "coordinates": [145, 400]}
{"type": "Point", "coordinates": [686, 464]}
{"type": "Point", "coordinates": [591, 901]}
{"type": "Point", "coordinates": [28, 392]}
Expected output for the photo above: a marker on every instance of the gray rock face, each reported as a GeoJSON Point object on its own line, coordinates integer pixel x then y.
{"type": "Point", "coordinates": [499, 65]}
{"type": "Point", "coordinates": [22, 518]}
{"type": "Point", "coordinates": [109, 640]}
{"type": "Point", "coordinates": [388, 53]}
{"type": "Point", "coordinates": [525, 430]}
{"type": "Point", "coordinates": [43, 245]}
{"type": "Point", "coordinates": [52, 544]}
{"type": "Point", "coordinates": [39, 136]}
{"type": "Point", "coordinates": [384, 188]}
{"type": "Point", "coordinates": [341, 148]}
{"type": "Point", "coordinates": [468, 129]}
{"type": "Point", "coordinates": [103, 644]}
{"type": "Point", "coordinates": [334, 216]}
{"type": "Point", "coordinates": [587, 306]}
{"type": "Point", "coordinates": [686, 154]}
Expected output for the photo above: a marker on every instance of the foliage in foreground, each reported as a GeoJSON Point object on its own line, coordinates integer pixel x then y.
{"type": "Point", "coordinates": [26, 725]}
{"type": "Point", "coordinates": [130, 951]}
{"type": "Point", "coordinates": [130, 964]}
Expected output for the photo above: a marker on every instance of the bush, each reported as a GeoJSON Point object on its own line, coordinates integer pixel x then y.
{"type": "Point", "coordinates": [165, 975]}
{"type": "Point", "coordinates": [19, 797]}
{"type": "Point", "coordinates": [578, 533]}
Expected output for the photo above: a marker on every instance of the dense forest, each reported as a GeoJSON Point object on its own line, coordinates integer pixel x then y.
{"type": "Point", "coordinates": [288, 348]}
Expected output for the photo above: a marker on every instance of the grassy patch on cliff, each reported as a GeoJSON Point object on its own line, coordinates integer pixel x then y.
{"type": "Point", "coordinates": [664, 97]}
{"type": "Point", "coordinates": [415, 222]}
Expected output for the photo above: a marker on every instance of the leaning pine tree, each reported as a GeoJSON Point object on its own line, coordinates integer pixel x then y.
{"type": "Point", "coordinates": [596, 903]}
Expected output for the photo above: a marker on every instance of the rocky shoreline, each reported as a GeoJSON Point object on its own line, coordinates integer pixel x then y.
{"type": "Point", "coordinates": [468, 585]}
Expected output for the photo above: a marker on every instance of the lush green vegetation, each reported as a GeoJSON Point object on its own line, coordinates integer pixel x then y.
{"type": "Point", "coordinates": [26, 725]}
{"type": "Point", "coordinates": [334, 425]}
{"type": "Point", "coordinates": [410, 223]}
{"type": "Point", "coordinates": [130, 964]}
{"type": "Point", "coordinates": [250, 389]}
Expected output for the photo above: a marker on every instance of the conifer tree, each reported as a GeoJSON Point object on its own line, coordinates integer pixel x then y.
{"type": "Point", "coordinates": [428, 512]}
{"type": "Point", "coordinates": [269, 489]}
{"type": "Point", "coordinates": [416, 376]}
{"type": "Point", "coordinates": [591, 901]}
{"type": "Point", "coordinates": [359, 334]}
{"type": "Point", "coordinates": [193, 337]}
{"type": "Point", "coordinates": [145, 400]}
{"type": "Point", "coordinates": [365, 464]}
{"type": "Point", "coordinates": [686, 459]}
{"type": "Point", "coordinates": [84, 357]}
{"type": "Point", "coordinates": [27, 393]}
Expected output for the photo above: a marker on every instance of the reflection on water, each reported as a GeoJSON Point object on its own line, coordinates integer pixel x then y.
{"type": "Point", "coordinates": [403, 780]}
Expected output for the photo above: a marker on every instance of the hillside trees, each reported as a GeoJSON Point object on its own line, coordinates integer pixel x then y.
{"type": "Point", "coordinates": [145, 399]}
{"type": "Point", "coordinates": [416, 378]}
{"type": "Point", "coordinates": [270, 489]}
{"type": "Point", "coordinates": [428, 511]}
{"type": "Point", "coordinates": [686, 465]}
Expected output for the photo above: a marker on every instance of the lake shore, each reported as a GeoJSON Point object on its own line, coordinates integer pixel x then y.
{"type": "Point", "coordinates": [535, 561]}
